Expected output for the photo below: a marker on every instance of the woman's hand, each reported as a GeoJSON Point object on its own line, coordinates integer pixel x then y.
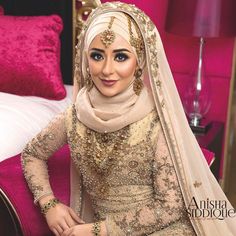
{"type": "Point", "coordinates": [61, 218]}
{"type": "Point", "coordinates": [84, 230]}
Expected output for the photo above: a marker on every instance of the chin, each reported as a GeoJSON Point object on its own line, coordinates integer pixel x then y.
{"type": "Point", "coordinates": [108, 93]}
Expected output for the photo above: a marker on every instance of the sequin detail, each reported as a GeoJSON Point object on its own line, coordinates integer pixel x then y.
{"type": "Point", "coordinates": [135, 193]}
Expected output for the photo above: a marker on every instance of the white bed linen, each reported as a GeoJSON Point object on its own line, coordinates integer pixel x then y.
{"type": "Point", "coordinates": [22, 117]}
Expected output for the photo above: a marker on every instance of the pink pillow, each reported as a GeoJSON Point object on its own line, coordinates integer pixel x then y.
{"type": "Point", "coordinates": [30, 56]}
{"type": "Point", "coordinates": [1, 10]}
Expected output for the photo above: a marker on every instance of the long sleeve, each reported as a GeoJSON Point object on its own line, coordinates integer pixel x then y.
{"type": "Point", "coordinates": [167, 211]}
{"type": "Point", "coordinates": [36, 153]}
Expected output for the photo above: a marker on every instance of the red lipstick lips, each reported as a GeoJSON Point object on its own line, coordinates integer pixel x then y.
{"type": "Point", "coordinates": [108, 82]}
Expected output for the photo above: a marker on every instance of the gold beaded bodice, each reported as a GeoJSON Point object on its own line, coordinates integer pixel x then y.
{"type": "Point", "coordinates": [111, 162]}
{"type": "Point", "coordinates": [119, 171]}
{"type": "Point", "coordinates": [128, 174]}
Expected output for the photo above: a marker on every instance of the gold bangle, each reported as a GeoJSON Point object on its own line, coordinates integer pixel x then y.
{"type": "Point", "coordinates": [96, 228]}
{"type": "Point", "coordinates": [48, 205]}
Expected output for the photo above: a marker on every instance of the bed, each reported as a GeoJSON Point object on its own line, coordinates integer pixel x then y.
{"type": "Point", "coordinates": [22, 117]}
{"type": "Point", "coordinates": [36, 54]}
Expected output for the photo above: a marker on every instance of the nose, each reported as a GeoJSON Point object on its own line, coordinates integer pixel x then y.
{"type": "Point", "coordinates": [108, 67]}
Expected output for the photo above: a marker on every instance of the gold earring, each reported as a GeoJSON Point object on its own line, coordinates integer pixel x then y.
{"type": "Point", "coordinates": [138, 83]}
{"type": "Point", "coordinates": [88, 80]}
{"type": "Point", "coordinates": [137, 43]}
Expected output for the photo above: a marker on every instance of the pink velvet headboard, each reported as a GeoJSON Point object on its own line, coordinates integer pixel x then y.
{"type": "Point", "coordinates": [182, 53]}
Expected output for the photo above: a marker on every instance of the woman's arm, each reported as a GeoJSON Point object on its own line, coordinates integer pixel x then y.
{"type": "Point", "coordinates": [34, 164]}
{"type": "Point", "coordinates": [36, 153]}
{"type": "Point", "coordinates": [167, 206]}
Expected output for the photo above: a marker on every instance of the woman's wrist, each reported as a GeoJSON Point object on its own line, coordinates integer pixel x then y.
{"type": "Point", "coordinates": [47, 202]}
{"type": "Point", "coordinates": [99, 229]}
{"type": "Point", "coordinates": [45, 199]}
{"type": "Point", "coordinates": [103, 229]}
{"type": "Point", "coordinates": [49, 205]}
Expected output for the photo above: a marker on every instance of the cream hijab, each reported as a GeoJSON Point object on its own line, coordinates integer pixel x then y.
{"type": "Point", "coordinates": [109, 114]}
{"type": "Point", "coordinates": [189, 162]}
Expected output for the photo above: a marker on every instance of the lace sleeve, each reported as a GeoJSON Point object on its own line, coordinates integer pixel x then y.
{"type": "Point", "coordinates": [167, 207]}
{"type": "Point", "coordinates": [36, 153]}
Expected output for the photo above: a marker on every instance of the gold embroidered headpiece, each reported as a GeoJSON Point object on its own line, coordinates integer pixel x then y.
{"type": "Point", "coordinates": [108, 36]}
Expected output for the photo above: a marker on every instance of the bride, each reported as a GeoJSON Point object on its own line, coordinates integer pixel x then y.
{"type": "Point", "coordinates": [136, 167]}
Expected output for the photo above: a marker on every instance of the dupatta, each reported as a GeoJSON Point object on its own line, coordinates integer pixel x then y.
{"type": "Point", "coordinates": [196, 181]}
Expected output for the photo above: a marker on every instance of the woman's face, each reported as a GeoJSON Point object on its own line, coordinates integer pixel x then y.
{"type": "Point", "coordinates": [112, 68]}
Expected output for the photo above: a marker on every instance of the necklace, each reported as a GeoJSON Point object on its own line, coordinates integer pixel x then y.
{"type": "Point", "coordinates": [103, 149]}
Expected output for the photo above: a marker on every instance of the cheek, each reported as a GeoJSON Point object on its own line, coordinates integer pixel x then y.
{"type": "Point", "coordinates": [94, 67]}
{"type": "Point", "coordinates": [126, 69]}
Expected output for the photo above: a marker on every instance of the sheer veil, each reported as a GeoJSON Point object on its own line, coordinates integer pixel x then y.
{"type": "Point", "coordinates": [194, 175]}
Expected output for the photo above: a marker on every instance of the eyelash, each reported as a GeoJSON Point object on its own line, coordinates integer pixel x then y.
{"type": "Point", "coordinates": [119, 57]}
{"type": "Point", "coordinates": [122, 57]}
{"type": "Point", "coordinates": [96, 56]}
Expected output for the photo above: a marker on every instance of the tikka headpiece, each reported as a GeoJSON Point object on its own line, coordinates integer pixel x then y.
{"type": "Point", "coordinates": [108, 36]}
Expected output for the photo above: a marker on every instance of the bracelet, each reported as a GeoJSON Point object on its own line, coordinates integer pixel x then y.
{"type": "Point", "coordinates": [48, 205]}
{"type": "Point", "coordinates": [96, 228]}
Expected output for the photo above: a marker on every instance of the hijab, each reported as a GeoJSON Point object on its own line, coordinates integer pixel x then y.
{"type": "Point", "coordinates": [109, 114]}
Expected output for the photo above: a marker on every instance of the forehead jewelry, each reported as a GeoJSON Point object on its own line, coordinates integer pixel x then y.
{"type": "Point", "coordinates": [108, 36]}
{"type": "Point", "coordinates": [137, 43]}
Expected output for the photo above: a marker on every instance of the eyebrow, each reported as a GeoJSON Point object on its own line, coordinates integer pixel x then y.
{"type": "Point", "coordinates": [97, 49]}
{"type": "Point", "coordinates": [116, 50]}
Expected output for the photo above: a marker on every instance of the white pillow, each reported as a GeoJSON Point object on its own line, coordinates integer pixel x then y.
{"type": "Point", "coordinates": [21, 118]}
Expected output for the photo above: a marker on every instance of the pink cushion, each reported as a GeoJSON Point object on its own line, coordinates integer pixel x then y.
{"type": "Point", "coordinates": [30, 56]}
{"type": "Point", "coordinates": [1, 10]}
{"type": "Point", "coordinates": [22, 199]}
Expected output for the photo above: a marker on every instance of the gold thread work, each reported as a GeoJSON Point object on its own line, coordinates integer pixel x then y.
{"type": "Point", "coordinates": [138, 83]}
{"type": "Point", "coordinates": [197, 184]}
{"type": "Point", "coordinates": [137, 43]}
{"type": "Point", "coordinates": [88, 80]}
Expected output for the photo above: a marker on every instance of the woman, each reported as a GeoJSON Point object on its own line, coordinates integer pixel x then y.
{"type": "Point", "coordinates": [136, 166]}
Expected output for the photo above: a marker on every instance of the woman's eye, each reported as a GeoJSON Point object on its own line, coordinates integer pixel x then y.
{"type": "Point", "coordinates": [121, 57]}
{"type": "Point", "coordinates": [96, 56]}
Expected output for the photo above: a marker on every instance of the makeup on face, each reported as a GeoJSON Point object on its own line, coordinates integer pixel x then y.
{"type": "Point", "coordinates": [112, 68]}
